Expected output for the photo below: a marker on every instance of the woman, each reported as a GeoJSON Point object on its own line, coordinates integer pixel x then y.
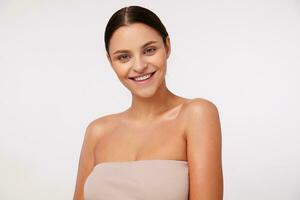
{"type": "Point", "coordinates": [163, 147]}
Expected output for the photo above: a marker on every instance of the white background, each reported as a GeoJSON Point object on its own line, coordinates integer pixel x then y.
{"type": "Point", "coordinates": [54, 79]}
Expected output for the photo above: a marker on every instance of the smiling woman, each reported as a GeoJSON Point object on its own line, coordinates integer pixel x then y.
{"type": "Point", "coordinates": [163, 147]}
{"type": "Point", "coordinates": [138, 55]}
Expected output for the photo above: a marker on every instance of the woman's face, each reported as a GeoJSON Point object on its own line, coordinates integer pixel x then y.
{"type": "Point", "coordinates": [137, 50]}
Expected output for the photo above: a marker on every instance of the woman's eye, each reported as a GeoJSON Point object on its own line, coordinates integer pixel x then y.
{"type": "Point", "coordinates": [123, 57]}
{"type": "Point", "coordinates": [150, 50]}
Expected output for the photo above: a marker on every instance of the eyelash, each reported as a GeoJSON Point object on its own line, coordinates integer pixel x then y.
{"type": "Point", "coordinates": [153, 49]}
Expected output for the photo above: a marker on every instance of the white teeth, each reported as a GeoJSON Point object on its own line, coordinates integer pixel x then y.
{"type": "Point", "coordinates": [142, 77]}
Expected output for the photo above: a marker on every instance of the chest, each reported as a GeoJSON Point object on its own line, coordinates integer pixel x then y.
{"type": "Point", "coordinates": [161, 140]}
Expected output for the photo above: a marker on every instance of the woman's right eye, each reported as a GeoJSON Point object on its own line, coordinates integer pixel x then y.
{"type": "Point", "coordinates": [123, 57]}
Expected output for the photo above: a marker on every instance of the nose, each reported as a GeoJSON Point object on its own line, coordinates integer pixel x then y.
{"type": "Point", "coordinates": [139, 64]}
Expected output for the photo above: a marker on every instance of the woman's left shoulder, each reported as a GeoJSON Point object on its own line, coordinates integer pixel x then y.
{"type": "Point", "coordinates": [202, 131]}
{"type": "Point", "coordinates": [197, 106]}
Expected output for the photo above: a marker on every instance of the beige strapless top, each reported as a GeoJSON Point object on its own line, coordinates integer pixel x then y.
{"type": "Point", "coordinates": [138, 180]}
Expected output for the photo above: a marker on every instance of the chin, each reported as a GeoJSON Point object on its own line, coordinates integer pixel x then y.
{"type": "Point", "coordinates": [144, 93]}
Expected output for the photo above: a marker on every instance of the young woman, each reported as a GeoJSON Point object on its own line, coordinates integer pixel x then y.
{"type": "Point", "coordinates": [163, 147]}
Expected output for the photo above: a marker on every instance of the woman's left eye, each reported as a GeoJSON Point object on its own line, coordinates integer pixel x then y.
{"type": "Point", "coordinates": [150, 50]}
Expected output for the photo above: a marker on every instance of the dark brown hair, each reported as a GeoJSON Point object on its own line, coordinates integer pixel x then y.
{"type": "Point", "coordinates": [133, 14]}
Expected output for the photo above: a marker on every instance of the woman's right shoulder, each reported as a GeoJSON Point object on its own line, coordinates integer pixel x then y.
{"type": "Point", "coordinates": [100, 126]}
{"type": "Point", "coordinates": [94, 132]}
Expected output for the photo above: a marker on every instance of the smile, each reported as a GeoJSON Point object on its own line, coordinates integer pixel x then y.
{"type": "Point", "coordinates": [142, 78]}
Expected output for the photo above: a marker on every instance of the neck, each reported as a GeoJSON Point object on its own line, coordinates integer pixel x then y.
{"type": "Point", "coordinates": [151, 107]}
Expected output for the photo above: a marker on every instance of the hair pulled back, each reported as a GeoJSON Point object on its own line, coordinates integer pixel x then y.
{"type": "Point", "coordinates": [133, 14]}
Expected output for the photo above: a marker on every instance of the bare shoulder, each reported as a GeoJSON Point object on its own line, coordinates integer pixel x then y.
{"type": "Point", "coordinates": [199, 107]}
{"type": "Point", "coordinates": [204, 145]}
{"type": "Point", "coordinates": [99, 126]}
{"type": "Point", "coordinates": [96, 126]}
{"type": "Point", "coordinates": [94, 131]}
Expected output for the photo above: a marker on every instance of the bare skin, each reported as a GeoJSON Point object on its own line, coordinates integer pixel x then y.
{"type": "Point", "coordinates": [158, 124]}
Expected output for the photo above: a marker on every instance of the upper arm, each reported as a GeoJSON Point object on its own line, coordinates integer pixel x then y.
{"type": "Point", "coordinates": [203, 133]}
{"type": "Point", "coordinates": [86, 160]}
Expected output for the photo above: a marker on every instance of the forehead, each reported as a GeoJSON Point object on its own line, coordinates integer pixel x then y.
{"type": "Point", "coordinates": [132, 36]}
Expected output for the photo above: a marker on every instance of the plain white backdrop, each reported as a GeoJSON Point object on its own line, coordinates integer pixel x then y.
{"type": "Point", "coordinates": [54, 79]}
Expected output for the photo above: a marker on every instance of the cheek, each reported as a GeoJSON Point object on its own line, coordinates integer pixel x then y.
{"type": "Point", "coordinates": [121, 69]}
{"type": "Point", "coordinates": [158, 59]}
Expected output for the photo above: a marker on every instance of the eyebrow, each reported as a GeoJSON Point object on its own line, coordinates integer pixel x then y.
{"type": "Point", "coordinates": [126, 51]}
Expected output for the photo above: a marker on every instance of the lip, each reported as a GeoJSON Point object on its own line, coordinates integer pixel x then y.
{"type": "Point", "coordinates": [141, 75]}
{"type": "Point", "coordinates": [144, 82]}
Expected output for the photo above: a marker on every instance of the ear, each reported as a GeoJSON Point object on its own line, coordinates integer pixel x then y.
{"type": "Point", "coordinates": [108, 57]}
{"type": "Point", "coordinates": [168, 46]}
